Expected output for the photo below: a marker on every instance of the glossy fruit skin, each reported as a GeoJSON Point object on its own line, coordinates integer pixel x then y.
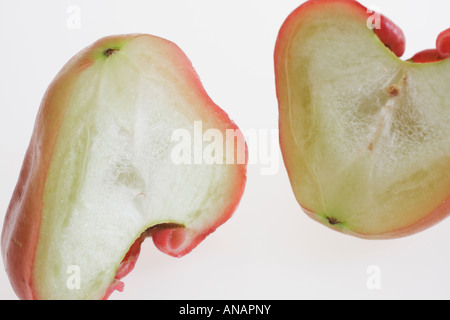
{"type": "Point", "coordinates": [441, 52]}
{"type": "Point", "coordinates": [393, 38]}
{"type": "Point", "coordinates": [426, 56]}
{"type": "Point", "coordinates": [21, 228]}
{"type": "Point", "coordinates": [443, 44]}
{"type": "Point", "coordinates": [391, 35]}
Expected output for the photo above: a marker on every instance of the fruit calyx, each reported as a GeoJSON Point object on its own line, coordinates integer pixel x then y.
{"type": "Point", "coordinates": [110, 51]}
{"type": "Point", "coordinates": [394, 39]}
{"type": "Point", "coordinates": [443, 44]}
{"type": "Point", "coordinates": [441, 52]}
{"type": "Point", "coordinates": [333, 221]}
{"type": "Point", "coordinates": [391, 35]}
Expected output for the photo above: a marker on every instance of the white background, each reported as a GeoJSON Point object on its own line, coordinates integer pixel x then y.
{"type": "Point", "coordinates": [269, 249]}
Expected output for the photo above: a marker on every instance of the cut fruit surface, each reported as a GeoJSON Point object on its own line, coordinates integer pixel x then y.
{"type": "Point", "coordinates": [99, 171]}
{"type": "Point", "coordinates": [365, 136]}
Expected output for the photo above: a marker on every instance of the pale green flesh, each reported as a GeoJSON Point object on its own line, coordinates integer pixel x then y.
{"type": "Point", "coordinates": [370, 161]}
{"type": "Point", "coordinates": [112, 176]}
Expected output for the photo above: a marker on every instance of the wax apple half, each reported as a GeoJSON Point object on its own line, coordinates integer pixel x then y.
{"type": "Point", "coordinates": [365, 136]}
{"type": "Point", "coordinates": [99, 175]}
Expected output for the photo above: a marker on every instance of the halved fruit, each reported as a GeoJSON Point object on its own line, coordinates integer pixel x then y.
{"type": "Point", "coordinates": [99, 175]}
{"type": "Point", "coordinates": [365, 136]}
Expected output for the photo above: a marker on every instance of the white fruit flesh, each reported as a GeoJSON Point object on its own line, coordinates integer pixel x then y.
{"type": "Point", "coordinates": [365, 135]}
{"type": "Point", "coordinates": [112, 176]}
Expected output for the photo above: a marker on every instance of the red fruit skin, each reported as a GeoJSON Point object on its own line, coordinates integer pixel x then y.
{"type": "Point", "coordinates": [289, 27]}
{"type": "Point", "coordinates": [392, 36]}
{"type": "Point", "coordinates": [179, 241]}
{"type": "Point", "coordinates": [443, 44]}
{"type": "Point", "coordinates": [125, 267]}
{"type": "Point", "coordinates": [388, 32]}
{"type": "Point", "coordinates": [20, 233]}
{"type": "Point", "coordinates": [426, 56]}
{"type": "Point", "coordinates": [441, 52]}
{"type": "Point", "coordinates": [22, 221]}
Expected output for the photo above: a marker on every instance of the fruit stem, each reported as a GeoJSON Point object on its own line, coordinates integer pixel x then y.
{"type": "Point", "coordinates": [333, 221]}
{"type": "Point", "coordinates": [109, 51]}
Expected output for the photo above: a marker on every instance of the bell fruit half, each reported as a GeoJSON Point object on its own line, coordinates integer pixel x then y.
{"type": "Point", "coordinates": [365, 135]}
{"type": "Point", "coordinates": [103, 170]}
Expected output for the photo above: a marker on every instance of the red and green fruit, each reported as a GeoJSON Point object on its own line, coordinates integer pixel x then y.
{"type": "Point", "coordinates": [98, 176]}
{"type": "Point", "coordinates": [365, 135]}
